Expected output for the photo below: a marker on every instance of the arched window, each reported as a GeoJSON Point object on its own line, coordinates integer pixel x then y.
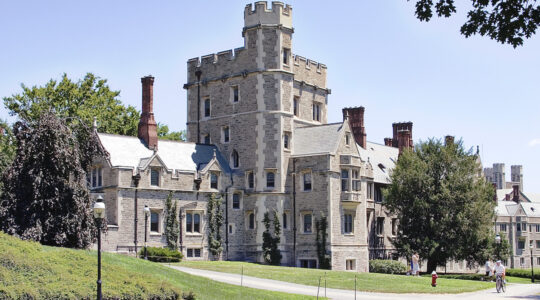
{"type": "Point", "coordinates": [235, 159]}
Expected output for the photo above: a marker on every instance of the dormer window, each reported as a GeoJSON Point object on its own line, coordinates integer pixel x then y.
{"type": "Point", "coordinates": [154, 177]}
{"type": "Point", "coordinates": [214, 180]}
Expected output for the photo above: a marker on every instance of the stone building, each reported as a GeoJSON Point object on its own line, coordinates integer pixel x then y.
{"type": "Point", "coordinates": [497, 175]}
{"type": "Point", "coordinates": [258, 136]}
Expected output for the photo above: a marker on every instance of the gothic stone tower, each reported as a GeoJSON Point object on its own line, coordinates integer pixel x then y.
{"type": "Point", "coordinates": [250, 100]}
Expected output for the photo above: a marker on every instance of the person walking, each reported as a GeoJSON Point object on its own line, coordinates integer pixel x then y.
{"type": "Point", "coordinates": [415, 267]}
{"type": "Point", "coordinates": [488, 270]}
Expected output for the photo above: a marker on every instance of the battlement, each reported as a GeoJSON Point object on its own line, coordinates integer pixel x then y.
{"type": "Point", "coordinates": [302, 62]}
{"type": "Point", "coordinates": [279, 14]}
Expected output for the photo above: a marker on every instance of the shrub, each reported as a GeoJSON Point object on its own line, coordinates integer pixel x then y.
{"type": "Point", "coordinates": [524, 273]}
{"type": "Point", "coordinates": [387, 266]}
{"type": "Point", "coordinates": [162, 254]}
{"type": "Point", "coordinates": [477, 277]}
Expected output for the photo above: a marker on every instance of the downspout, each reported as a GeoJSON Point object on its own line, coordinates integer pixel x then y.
{"type": "Point", "coordinates": [198, 74]}
{"type": "Point", "coordinates": [294, 211]}
{"type": "Point", "coordinates": [136, 179]}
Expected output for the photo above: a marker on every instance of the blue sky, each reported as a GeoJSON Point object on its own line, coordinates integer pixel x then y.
{"type": "Point", "coordinates": [378, 56]}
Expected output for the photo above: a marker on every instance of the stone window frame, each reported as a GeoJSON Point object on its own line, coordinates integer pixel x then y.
{"type": "Point", "coordinates": [353, 264]}
{"type": "Point", "coordinates": [218, 175]}
{"type": "Point", "coordinates": [317, 111]}
{"type": "Point", "coordinates": [286, 56]}
{"type": "Point", "coordinates": [235, 88]}
{"type": "Point", "coordinates": [347, 139]}
{"type": "Point", "coordinates": [379, 230]}
{"type": "Point", "coordinates": [344, 222]}
{"type": "Point", "coordinates": [235, 159]}
{"type": "Point", "coordinates": [296, 106]}
{"type": "Point", "coordinates": [248, 174]}
{"type": "Point", "coordinates": [304, 173]}
{"type": "Point", "coordinates": [204, 108]}
{"type": "Point", "coordinates": [232, 228]}
{"type": "Point", "coordinates": [273, 171]}
{"type": "Point", "coordinates": [97, 180]}
{"type": "Point", "coordinates": [502, 227]}
{"type": "Point", "coordinates": [370, 190]}
{"type": "Point", "coordinates": [356, 182]}
{"type": "Point", "coordinates": [225, 134]}
{"type": "Point", "coordinates": [240, 200]}
{"type": "Point", "coordinates": [159, 213]}
{"type": "Point", "coordinates": [302, 219]}
{"type": "Point", "coordinates": [192, 232]}
{"type": "Point", "coordinates": [303, 258]}
{"type": "Point", "coordinates": [287, 141]}
{"type": "Point", "coordinates": [193, 251]}
{"type": "Point", "coordinates": [345, 184]}
{"type": "Point", "coordinates": [285, 220]}
{"type": "Point", "coordinates": [248, 220]}
{"type": "Point", "coordinates": [157, 171]}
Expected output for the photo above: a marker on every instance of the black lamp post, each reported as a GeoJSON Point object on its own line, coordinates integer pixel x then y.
{"type": "Point", "coordinates": [99, 214]}
{"type": "Point", "coordinates": [532, 266]}
{"type": "Point", "coordinates": [498, 242]}
{"type": "Point", "coordinates": [146, 214]}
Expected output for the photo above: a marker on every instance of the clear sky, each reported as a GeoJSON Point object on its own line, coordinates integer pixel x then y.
{"type": "Point", "coordinates": [378, 56]}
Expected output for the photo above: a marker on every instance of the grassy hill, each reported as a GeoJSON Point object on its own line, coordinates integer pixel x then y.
{"type": "Point", "coordinates": [29, 270]}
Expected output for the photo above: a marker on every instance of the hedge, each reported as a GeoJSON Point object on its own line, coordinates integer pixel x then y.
{"type": "Point", "coordinates": [524, 273]}
{"type": "Point", "coordinates": [162, 254]}
{"type": "Point", "coordinates": [387, 266]}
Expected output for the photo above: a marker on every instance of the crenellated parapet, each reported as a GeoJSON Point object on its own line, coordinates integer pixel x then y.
{"type": "Point", "coordinates": [222, 65]}
{"type": "Point", "coordinates": [279, 14]}
{"type": "Point", "coordinates": [309, 71]}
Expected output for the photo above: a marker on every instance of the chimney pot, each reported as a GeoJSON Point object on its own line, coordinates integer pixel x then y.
{"type": "Point", "coordinates": [355, 116]}
{"type": "Point", "coordinates": [515, 192]}
{"type": "Point", "coordinates": [396, 127]}
{"type": "Point", "coordinates": [147, 130]}
{"type": "Point", "coordinates": [388, 142]}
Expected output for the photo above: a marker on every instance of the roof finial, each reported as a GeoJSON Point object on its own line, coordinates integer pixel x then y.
{"type": "Point", "coordinates": [214, 152]}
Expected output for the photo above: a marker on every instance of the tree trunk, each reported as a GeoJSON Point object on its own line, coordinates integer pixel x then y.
{"type": "Point", "coordinates": [431, 265]}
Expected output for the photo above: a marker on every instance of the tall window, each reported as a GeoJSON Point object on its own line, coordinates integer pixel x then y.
{"type": "Point", "coordinates": [225, 133]}
{"type": "Point", "coordinates": [350, 264]}
{"type": "Point", "coordinates": [355, 180]}
{"type": "Point", "coordinates": [235, 159]}
{"type": "Point", "coordinates": [285, 221]}
{"type": "Point", "coordinates": [380, 226]}
{"type": "Point", "coordinates": [537, 227]}
{"type": "Point", "coordinates": [207, 107]}
{"type": "Point", "coordinates": [214, 180]}
{"type": "Point", "coordinates": [521, 244]}
{"type": "Point", "coordinates": [96, 178]}
{"type": "Point", "coordinates": [524, 227]}
{"type": "Point", "coordinates": [308, 223]}
{"type": "Point", "coordinates": [307, 181]}
{"type": "Point", "coordinates": [270, 179]}
{"type": "Point", "coordinates": [347, 139]}
{"type": "Point", "coordinates": [286, 141]}
{"type": "Point", "coordinates": [518, 226]}
{"type": "Point", "coordinates": [206, 139]}
{"type": "Point", "coordinates": [154, 177]}
{"type": "Point", "coordinates": [344, 180]}
{"type": "Point", "coordinates": [502, 227]}
{"type": "Point", "coordinates": [251, 221]}
{"type": "Point", "coordinates": [295, 105]}
{"type": "Point", "coordinates": [316, 112]}
{"type": "Point", "coordinates": [236, 201]}
{"type": "Point", "coordinates": [347, 223]}
{"type": "Point", "coordinates": [370, 190]}
{"type": "Point", "coordinates": [286, 53]}
{"type": "Point", "coordinates": [193, 222]}
{"type": "Point", "coordinates": [251, 179]}
{"type": "Point", "coordinates": [235, 94]}
{"type": "Point", "coordinates": [154, 221]}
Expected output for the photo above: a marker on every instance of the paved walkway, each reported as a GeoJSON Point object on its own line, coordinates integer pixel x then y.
{"type": "Point", "coordinates": [514, 291]}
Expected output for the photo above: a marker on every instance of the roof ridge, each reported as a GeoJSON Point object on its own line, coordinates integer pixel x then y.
{"type": "Point", "coordinates": [319, 125]}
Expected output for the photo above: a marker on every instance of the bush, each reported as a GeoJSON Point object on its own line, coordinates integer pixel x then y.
{"type": "Point", "coordinates": [387, 266]}
{"type": "Point", "coordinates": [162, 254]}
{"type": "Point", "coordinates": [524, 273]}
{"type": "Point", "coordinates": [478, 277]}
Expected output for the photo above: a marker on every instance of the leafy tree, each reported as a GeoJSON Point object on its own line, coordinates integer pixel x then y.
{"type": "Point", "coordinates": [321, 225]}
{"type": "Point", "coordinates": [502, 250]}
{"type": "Point", "coordinates": [215, 222]}
{"type": "Point", "coordinates": [506, 21]}
{"type": "Point", "coordinates": [172, 229]}
{"type": "Point", "coordinates": [45, 191]}
{"type": "Point", "coordinates": [445, 210]}
{"type": "Point", "coordinates": [163, 133]}
{"type": "Point", "coordinates": [76, 101]}
{"type": "Point", "coordinates": [7, 149]}
{"type": "Point", "coordinates": [271, 253]}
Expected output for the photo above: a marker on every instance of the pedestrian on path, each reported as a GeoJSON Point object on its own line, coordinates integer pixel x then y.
{"type": "Point", "coordinates": [415, 267]}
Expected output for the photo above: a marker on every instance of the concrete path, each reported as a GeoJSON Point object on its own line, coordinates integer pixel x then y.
{"type": "Point", "coordinates": [514, 291]}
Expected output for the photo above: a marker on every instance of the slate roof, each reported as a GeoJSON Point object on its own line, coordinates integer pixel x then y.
{"type": "Point", "coordinates": [130, 152]}
{"type": "Point", "coordinates": [317, 139]}
{"type": "Point", "coordinates": [382, 158]}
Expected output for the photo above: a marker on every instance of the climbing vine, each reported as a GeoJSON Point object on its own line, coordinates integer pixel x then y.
{"type": "Point", "coordinates": [215, 221]}
{"type": "Point", "coordinates": [321, 225]}
{"type": "Point", "coordinates": [271, 253]}
{"type": "Point", "coordinates": [172, 230]}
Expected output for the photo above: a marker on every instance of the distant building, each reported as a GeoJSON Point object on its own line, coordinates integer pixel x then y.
{"type": "Point", "coordinates": [497, 175]}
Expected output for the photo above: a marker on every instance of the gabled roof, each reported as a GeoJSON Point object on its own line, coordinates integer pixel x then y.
{"type": "Point", "coordinates": [382, 158]}
{"type": "Point", "coordinates": [130, 152]}
{"type": "Point", "coordinates": [317, 139]}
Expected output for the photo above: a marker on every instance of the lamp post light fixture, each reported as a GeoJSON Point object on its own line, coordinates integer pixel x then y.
{"type": "Point", "coordinates": [146, 214]}
{"type": "Point", "coordinates": [532, 266]}
{"type": "Point", "coordinates": [498, 248]}
{"type": "Point", "coordinates": [99, 214]}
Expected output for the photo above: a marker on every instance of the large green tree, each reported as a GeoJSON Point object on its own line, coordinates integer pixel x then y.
{"type": "Point", "coordinates": [506, 21]}
{"type": "Point", "coordinates": [445, 210]}
{"type": "Point", "coordinates": [7, 149]}
{"type": "Point", "coordinates": [45, 191]}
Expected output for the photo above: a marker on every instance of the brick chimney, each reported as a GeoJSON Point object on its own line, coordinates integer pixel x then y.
{"type": "Point", "coordinates": [515, 193]}
{"type": "Point", "coordinates": [396, 127]}
{"type": "Point", "coordinates": [356, 121]}
{"type": "Point", "coordinates": [147, 124]}
{"type": "Point", "coordinates": [448, 140]}
{"type": "Point", "coordinates": [388, 142]}
{"type": "Point", "coordinates": [404, 139]}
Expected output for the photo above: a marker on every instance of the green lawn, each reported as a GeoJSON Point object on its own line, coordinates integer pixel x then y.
{"type": "Point", "coordinates": [31, 271]}
{"type": "Point", "coordinates": [371, 282]}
